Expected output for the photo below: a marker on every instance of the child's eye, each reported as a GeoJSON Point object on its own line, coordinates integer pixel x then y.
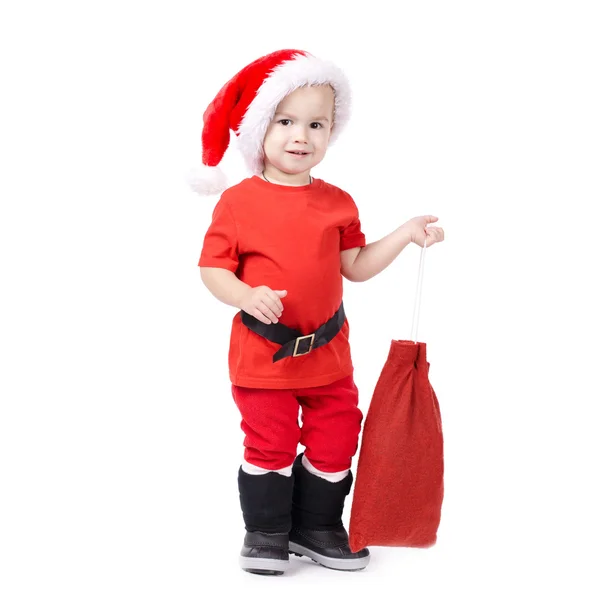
{"type": "Point", "coordinates": [286, 122]}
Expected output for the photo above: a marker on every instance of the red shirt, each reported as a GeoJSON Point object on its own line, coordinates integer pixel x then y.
{"type": "Point", "coordinates": [287, 238]}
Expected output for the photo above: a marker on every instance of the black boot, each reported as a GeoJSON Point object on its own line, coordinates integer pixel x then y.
{"type": "Point", "coordinates": [266, 502]}
{"type": "Point", "coordinates": [317, 529]}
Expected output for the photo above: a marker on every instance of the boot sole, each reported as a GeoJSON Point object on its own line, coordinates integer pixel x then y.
{"type": "Point", "coordinates": [338, 564]}
{"type": "Point", "coordinates": [264, 566]}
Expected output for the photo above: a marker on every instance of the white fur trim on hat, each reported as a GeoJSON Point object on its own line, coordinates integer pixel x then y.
{"type": "Point", "coordinates": [284, 79]}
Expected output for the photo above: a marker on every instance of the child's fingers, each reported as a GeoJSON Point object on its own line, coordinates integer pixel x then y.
{"type": "Point", "coordinates": [269, 314]}
{"type": "Point", "coordinates": [258, 315]}
{"type": "Point", "coordinates": [275, 302]}
{"type": "Point", "coordinates": [434, 234]}
{"type": "Point", "coordinates": [439, 233]}
{"type": "Point", "coordinates": [272, 306]}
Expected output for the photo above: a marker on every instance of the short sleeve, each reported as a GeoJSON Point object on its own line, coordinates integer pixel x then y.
{"type": "Point", "coordinates": [220, 248]}
{"type": "Point", "coordinates": [351, 235]}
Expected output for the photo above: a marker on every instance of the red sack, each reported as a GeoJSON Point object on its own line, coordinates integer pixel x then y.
{"type": "Point", "coordinates": [399, 484]}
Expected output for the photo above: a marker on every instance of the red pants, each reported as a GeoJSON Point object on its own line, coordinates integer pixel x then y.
{"type": "Point", "coordinates": [329, 429]}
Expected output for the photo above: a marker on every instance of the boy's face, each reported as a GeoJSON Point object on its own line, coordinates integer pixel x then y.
{"type": "Point", "coordinates": [302, 123]}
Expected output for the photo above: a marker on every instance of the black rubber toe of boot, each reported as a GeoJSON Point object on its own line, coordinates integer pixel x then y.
{"type": "Point", "coordinates": [265, 553]}
{"type": "Point", "coordinates": [328, 548]}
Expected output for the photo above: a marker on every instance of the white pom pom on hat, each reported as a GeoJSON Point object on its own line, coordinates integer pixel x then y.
{"type": "Point", "coordinates": [247, 103]}
{"type": "Point", "coordinates": [207, 181]}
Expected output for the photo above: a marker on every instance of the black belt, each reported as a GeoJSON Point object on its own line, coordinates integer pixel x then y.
{"type": "Point", "coordinates": [292, 341]}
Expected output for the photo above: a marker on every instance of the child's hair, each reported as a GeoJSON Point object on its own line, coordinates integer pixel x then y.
{"type": "Point", "coordinates": [247, 103]}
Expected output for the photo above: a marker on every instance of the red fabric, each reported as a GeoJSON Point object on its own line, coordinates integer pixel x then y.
{"type": "Point", "coordinates": [270, 422]}
{"type": "Point", "coordinates": [287, 238]}
{"type": "Point", "coordinates": [229, 106]}
{"type": "Point", "coordinates": [399, 484]}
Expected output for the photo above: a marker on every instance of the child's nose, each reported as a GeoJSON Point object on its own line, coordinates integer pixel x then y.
{"type": "Point", "coordinates": [300, 139]}
{"type": "Point", "coordinates": [300, 134]}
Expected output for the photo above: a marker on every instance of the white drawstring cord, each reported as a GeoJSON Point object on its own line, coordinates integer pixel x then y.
{"type": "Point", "coordinates": [417, 307]}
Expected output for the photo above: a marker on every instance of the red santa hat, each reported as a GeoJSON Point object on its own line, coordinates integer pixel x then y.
{"type": "Point", "coordinates": [246, 104]}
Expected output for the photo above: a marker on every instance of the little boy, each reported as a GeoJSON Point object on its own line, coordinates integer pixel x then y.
{"type": "Point", "coordinates": [276, 249]}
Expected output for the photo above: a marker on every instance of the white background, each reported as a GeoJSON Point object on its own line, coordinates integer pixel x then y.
{"type": "Point", "coordinates": [119, 440]}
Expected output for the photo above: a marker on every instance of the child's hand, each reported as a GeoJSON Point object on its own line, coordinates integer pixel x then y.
{"type": "Point", "coordinates": [263, 303]}
{"type": "Point", "coordinates": [418, 230]}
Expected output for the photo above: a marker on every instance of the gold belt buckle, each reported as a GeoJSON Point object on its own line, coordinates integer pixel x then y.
{"type": "Point", "coordinates": [296, 353]}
